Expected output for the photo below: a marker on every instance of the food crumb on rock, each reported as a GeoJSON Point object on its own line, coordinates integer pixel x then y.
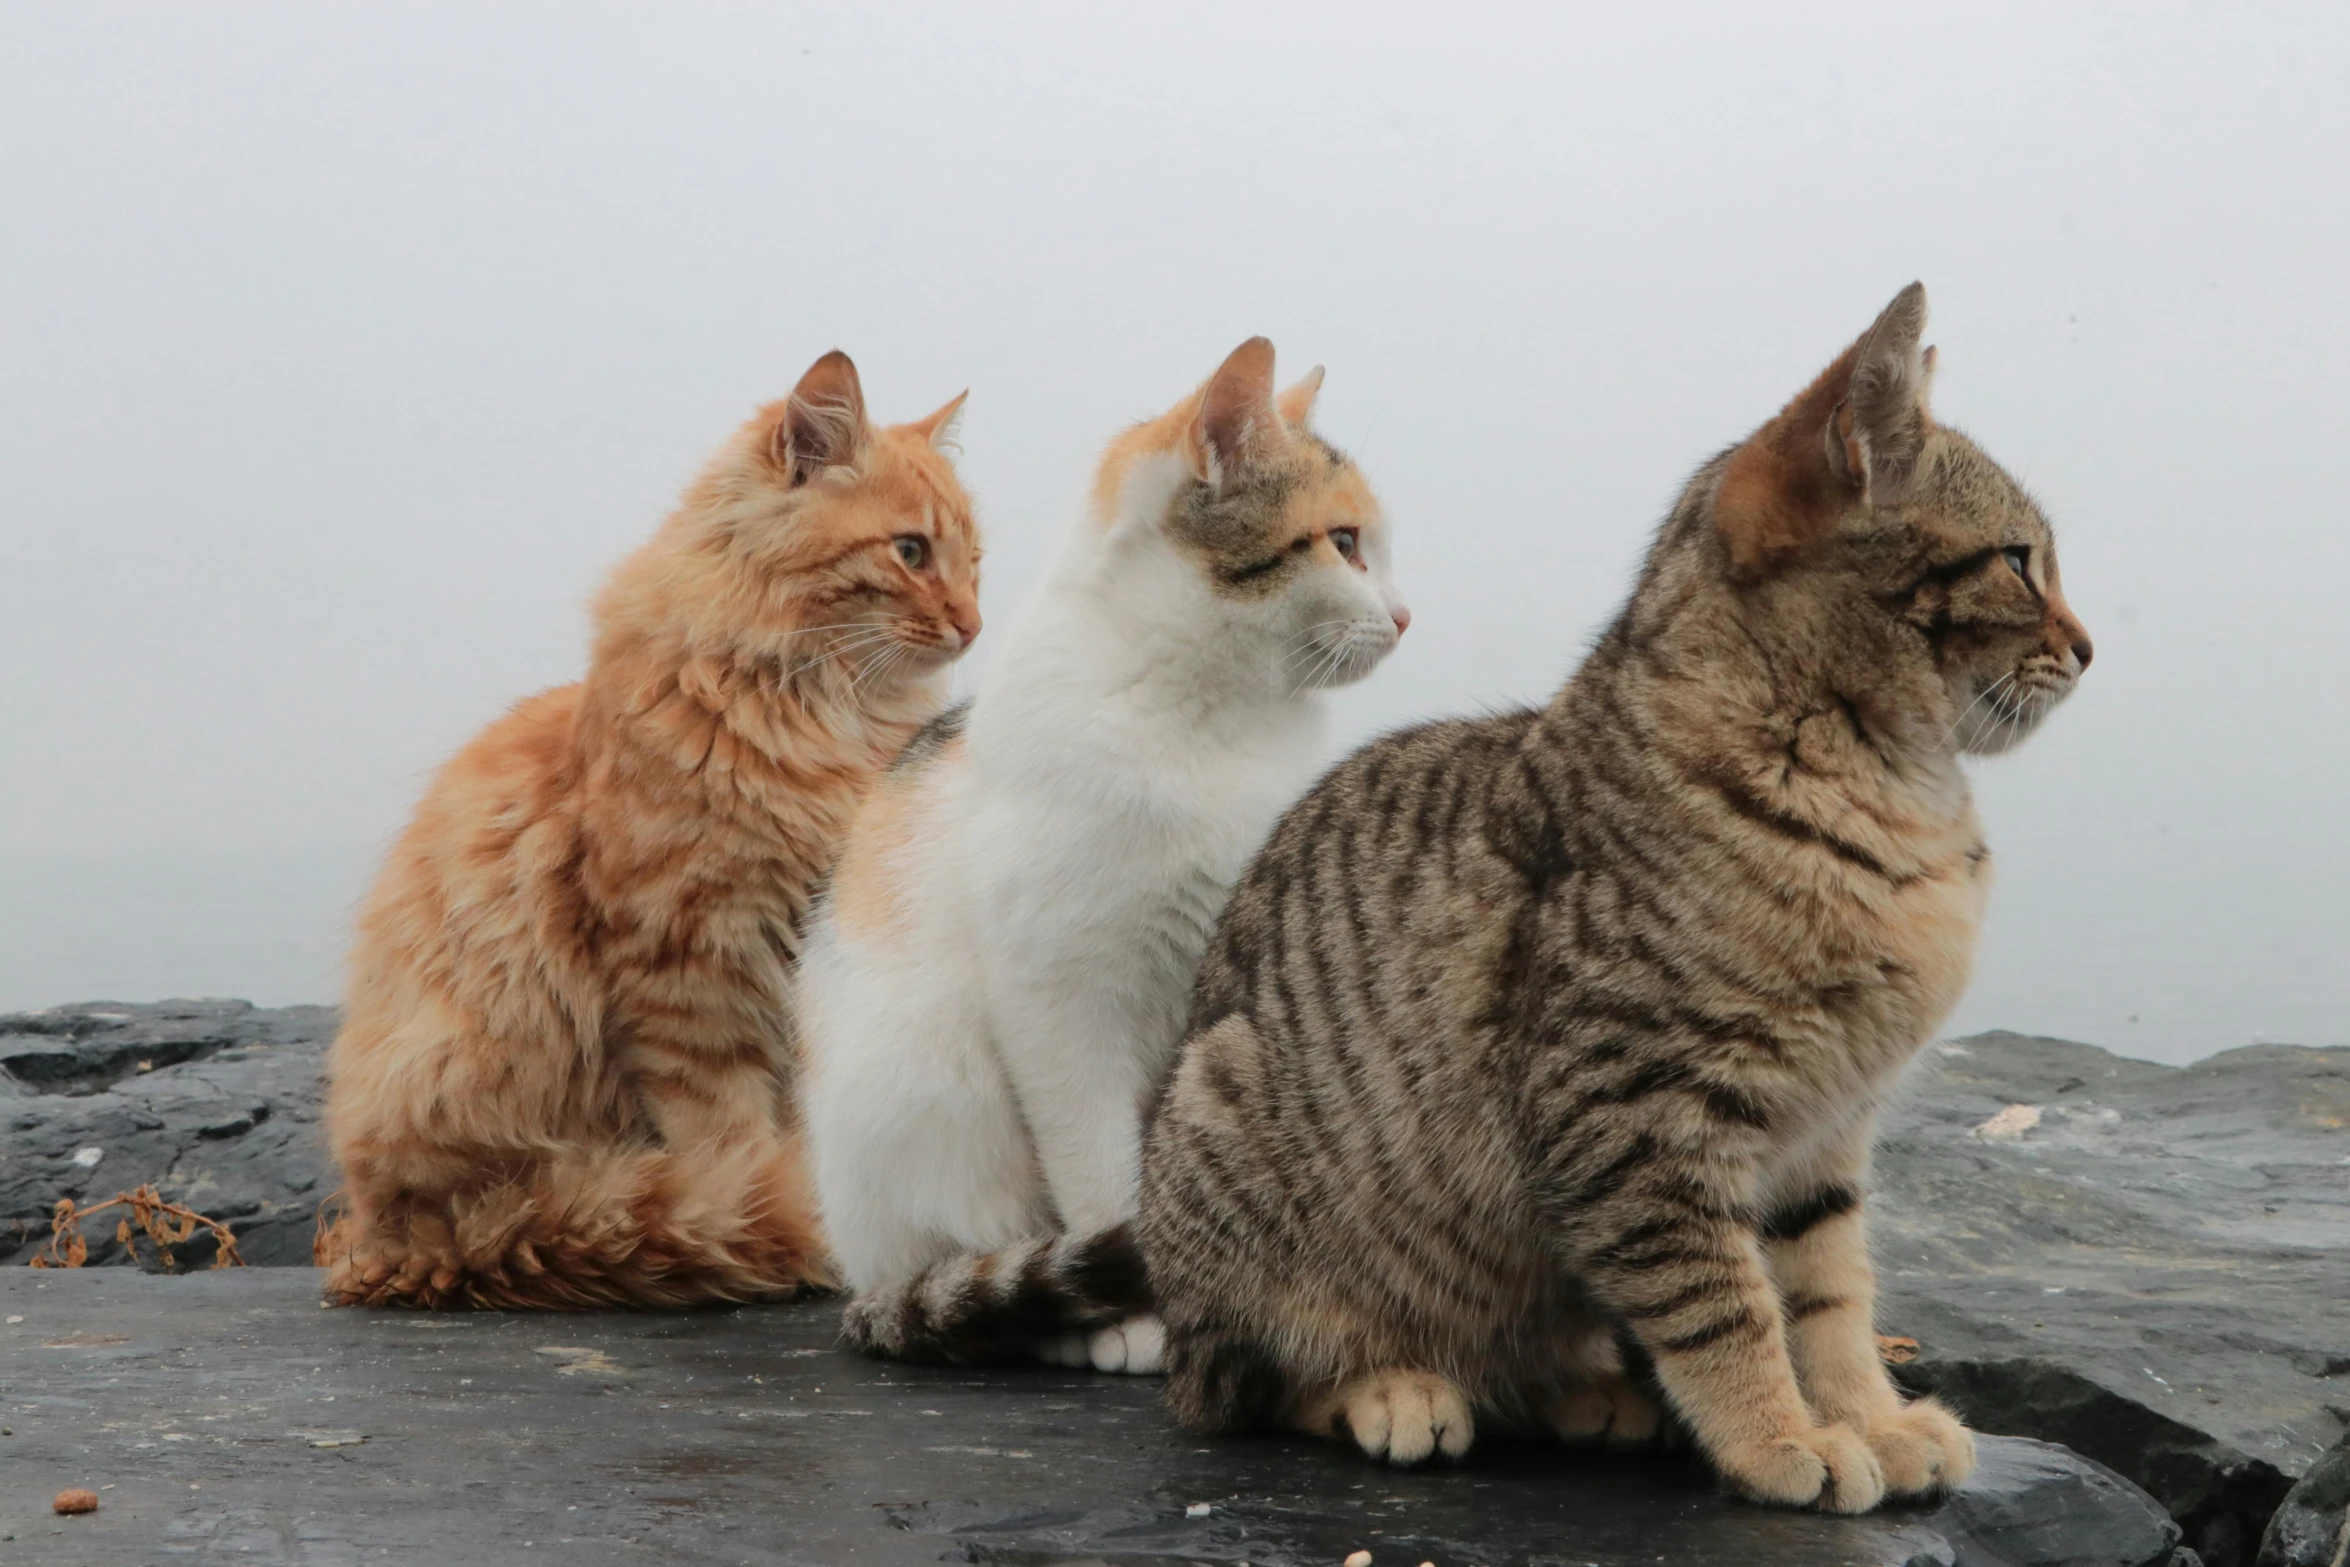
{"type": "Point", "coordinates": [75, 1501]}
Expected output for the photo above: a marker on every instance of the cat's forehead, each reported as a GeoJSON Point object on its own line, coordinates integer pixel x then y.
{"type": "Point", "coordinates": [1973, 498]}
{"type": "Point", "coordinates": [1337, 496]}
{"type": "Point", "coordinates": [911, 477]}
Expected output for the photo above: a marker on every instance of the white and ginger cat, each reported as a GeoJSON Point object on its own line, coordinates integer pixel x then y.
{"type": "Point", "coordinates": [998, 981]}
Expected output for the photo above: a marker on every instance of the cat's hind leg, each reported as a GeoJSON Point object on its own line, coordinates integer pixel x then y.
{"type": "Point", "coordinates": [1592, 1399]}
{"type": "Point", "coordinates": [1399, 1417]}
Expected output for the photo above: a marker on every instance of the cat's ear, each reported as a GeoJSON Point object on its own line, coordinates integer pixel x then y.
{"type": "Point", "coordinates": [823, 423]}
{"type": "Point", "coordinates": [1878, 431]}
{"type": "Point", "coordinates": [1237, 422]}
{"type": "Point", "coordinates": [1297, 404]}
{"type": "Point", "coordinates": [941, 428]}
{"type": "Point", "coordinates": [1853, 437]}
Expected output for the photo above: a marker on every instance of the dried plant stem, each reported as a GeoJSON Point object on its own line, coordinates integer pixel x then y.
{"type": "Point", "coordinates": [167, 1224]}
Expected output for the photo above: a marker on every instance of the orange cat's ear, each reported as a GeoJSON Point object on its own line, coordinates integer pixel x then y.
{"type": "Point", "coordinates": [1297, 404]}
{"type": "Point", "coordinates": [1236, 423]}
{"type": "Point", "coordinates": [941, 428]}
{"type": "Point", "coordinates": [823, 423]}
{"type": "Point", "coordinates": [1853, 437]}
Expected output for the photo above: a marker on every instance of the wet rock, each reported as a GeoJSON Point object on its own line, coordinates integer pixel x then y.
{"type": "Point", "coordinates": [2312, 1528]}
{"type": "Point", "coordinates": [258, 1426]}
{"type": "Point", "coordinates": [2151, 1274]}
{"type": "Point", "coordinates": [214, 1102]}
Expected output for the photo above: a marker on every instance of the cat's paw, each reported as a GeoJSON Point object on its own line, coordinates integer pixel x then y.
{"type": "Point", "coordinates": [1136, 1347]}
{"type": "Point", "coordinates": [1405, 1417]}
{"type": "Point", "coordinates": [1612, 1411]}
{"type": "Point", "coordinates": [1922, 1449]}
{"type": "Point", "coordinates": [1828, 1467]}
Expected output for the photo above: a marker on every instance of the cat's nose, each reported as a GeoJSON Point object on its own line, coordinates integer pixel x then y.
{"type": "Point", "coordinates": [2083, 649]}
{"type": "Point", "coordinates": [1402, 616]}
{"type": "Point", "coordinates": [967, 627]}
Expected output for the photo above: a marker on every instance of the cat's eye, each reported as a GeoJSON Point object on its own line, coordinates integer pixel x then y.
{"type": "Point", "coordinates": [1343, 541]}
{"type": "Point", "coordinates": [2019, 561]}
{"type": "Point", "coordinates": [913, 549]}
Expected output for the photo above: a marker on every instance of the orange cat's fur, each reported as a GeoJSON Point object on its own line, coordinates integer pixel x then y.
{"type": "Point", "coordinates": [565, 1071]}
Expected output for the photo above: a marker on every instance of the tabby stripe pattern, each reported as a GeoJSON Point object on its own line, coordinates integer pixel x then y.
{"type": "Point", "coordinates": [984, 1308]}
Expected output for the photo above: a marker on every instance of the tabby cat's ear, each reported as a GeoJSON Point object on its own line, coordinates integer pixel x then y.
{"type": "Point", "coordinates": [1237, 422]}
{"type": "Point", "coordinates": [941, 428]}
{"type": "Point", "coordinates": [1297, 404]}
{"type": "Point", "coordinates": [1853, 437]}
{"type": "Point", "coordinates": [823, 423]}
{"type": "Point", "coordinates": [1878, 432]}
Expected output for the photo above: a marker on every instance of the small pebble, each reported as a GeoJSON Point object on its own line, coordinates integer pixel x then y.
{"type": "Point", "coordinates": [75, 1501]}
{"type": "Point", "coordinates": [1359, 1559]}
{"type": "Point", "coordinates": [1198, 1510]}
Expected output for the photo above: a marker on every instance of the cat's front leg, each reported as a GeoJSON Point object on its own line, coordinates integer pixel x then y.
{"type": "Point", "coordinates": [1081, 1081]}
{"type": "Point", "coordinates": [1816, 1247]}
{"type": "Point", "coordinates": [1076, 1071]}
{"type": "Point", "coordinates": [1661, 1237]}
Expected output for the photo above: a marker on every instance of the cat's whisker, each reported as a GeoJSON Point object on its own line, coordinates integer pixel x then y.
{"type": "Point", "coordinates": [872, 637]}
{"type": "Point", "coordinates": [1309, 655]}
{"type": "Point", "coordinates": [1311, 652]}
{"type": "Point", "coordinates": [1988, 695]}
{"type": "Point", "coordinates": [877, 670]}
{"type": "Point", "coordinates": [1331, 663]}
{"type": "Point", "coordinates": [1311, 639]}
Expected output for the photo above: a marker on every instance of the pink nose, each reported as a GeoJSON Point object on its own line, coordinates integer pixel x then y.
{"type": "Point", "coordinates": [1403, 619]}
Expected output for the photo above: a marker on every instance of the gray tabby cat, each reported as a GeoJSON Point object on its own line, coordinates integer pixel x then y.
{"type": "Point", "coordinates": [1528, 1037]}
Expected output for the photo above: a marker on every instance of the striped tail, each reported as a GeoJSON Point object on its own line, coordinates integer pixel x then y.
{"type": "Point", "coordinates": [983, 1308]}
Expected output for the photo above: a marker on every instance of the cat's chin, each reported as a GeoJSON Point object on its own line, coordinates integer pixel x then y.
{"type": "Point", "coordinates": [1995, 727]}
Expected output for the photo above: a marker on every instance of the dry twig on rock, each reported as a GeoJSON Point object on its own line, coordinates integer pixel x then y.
{"type": "Point", "coordinates": [167, 1224]}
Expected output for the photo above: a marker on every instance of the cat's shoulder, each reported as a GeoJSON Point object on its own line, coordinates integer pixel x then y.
{"type": "Point", "coordinates": [1442, 743]}
{"type": "Point", "coordinates": [1441, 756]}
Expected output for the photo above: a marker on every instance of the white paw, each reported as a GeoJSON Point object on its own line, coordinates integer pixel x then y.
{"type": "Point", "coordinates": [1136, 1347]}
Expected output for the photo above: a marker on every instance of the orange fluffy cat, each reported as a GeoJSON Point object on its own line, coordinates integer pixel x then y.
{"type": "Point", "coordinates": [565, 1071]}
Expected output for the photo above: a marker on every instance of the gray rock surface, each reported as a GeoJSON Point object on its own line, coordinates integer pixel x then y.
{"type": "Point", "coordinates": [2154, 1274]}
{"type": "Point", "coordinates": [2312, 1528]}
{"type": "Point", "coordinates": [215, 1102]}
{"type": "Point", "coordinates": [2157, 1274]}
{"type": "Point", "coordinates": [224, 1416]}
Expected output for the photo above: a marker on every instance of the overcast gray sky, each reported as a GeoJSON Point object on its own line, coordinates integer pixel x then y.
{"type": "Point", "coordinates": [343, 348]}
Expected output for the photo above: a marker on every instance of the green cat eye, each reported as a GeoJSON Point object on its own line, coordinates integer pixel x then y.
{"type": "Point", "coordinates": [913, 549]}
{"type": "Point", "coordinates": [2019, 560]}
{"type": "Point", "coordinates": [1343, 541]}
